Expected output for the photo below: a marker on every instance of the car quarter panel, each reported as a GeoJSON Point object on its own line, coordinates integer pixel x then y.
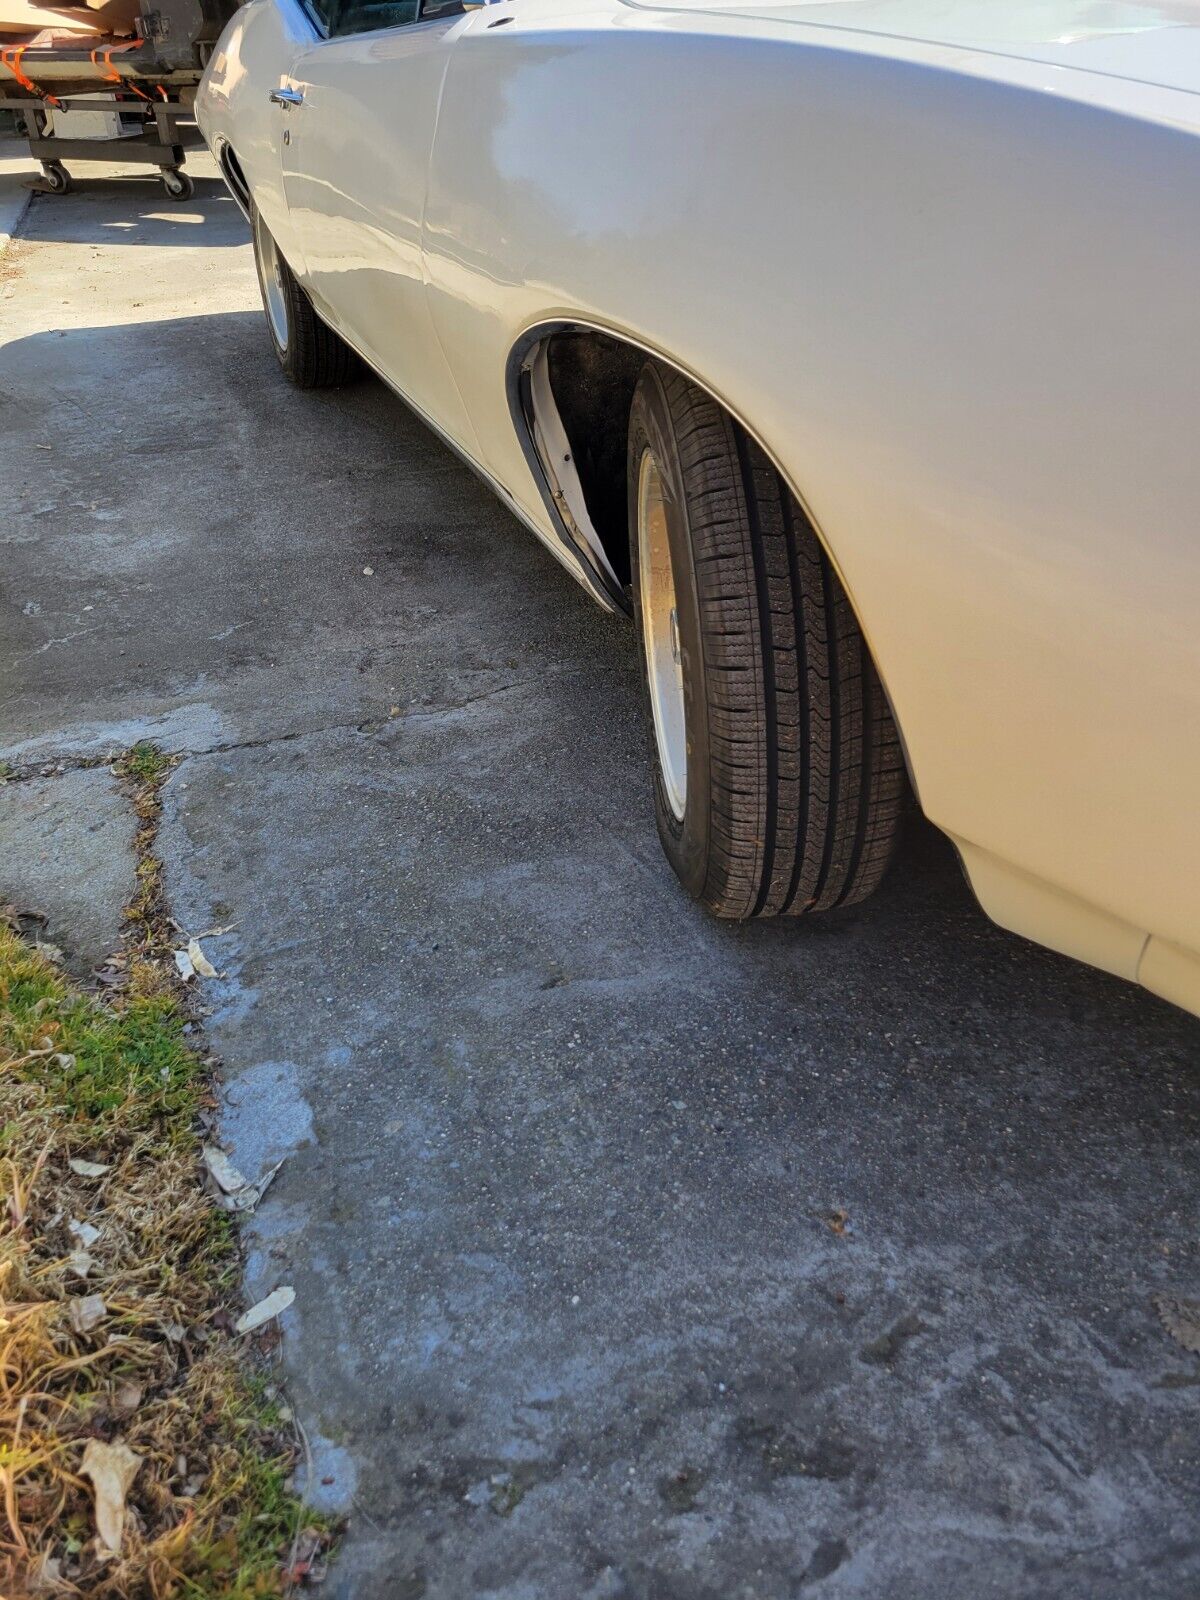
{"type": "Point", "coordinates": [960, 313]}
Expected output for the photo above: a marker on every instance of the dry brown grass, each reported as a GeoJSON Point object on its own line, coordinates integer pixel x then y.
{"type": "Point", "coordinates": [114, 1081]}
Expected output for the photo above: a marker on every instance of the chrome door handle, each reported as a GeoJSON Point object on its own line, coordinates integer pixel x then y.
{"type": "Point", "coordinates": [286, 97]}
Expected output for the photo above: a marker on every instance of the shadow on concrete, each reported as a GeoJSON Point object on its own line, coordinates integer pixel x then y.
{"type": "Point", "coordinates": [635, 1253]}
{"type": "Point", "coordinates": [133, 210]}
{"type": "Point", "coordinates": [227, 474]}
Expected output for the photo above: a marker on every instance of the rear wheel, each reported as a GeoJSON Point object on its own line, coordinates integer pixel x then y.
{"type": "Point", "coordinates": [309, 351]}
{"type": "Point", "coordinates": [778, 774]}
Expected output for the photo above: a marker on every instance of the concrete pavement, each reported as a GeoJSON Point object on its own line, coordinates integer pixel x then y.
{"type": "Point", "coordinates": [16, 168]}
{"type": "Point", "coordinates": [635, 1255]}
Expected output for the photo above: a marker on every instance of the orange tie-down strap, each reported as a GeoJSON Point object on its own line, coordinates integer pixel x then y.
{"type": "Point", "coordinates": [10, 56]}
{"type": "Point", "coordinates": [112, 75]}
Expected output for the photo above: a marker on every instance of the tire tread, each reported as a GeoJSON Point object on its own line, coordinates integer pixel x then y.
{"type": "Point", "coordinates": [315, 357]}
{"type": "Point", "coordinates": [808, 778]}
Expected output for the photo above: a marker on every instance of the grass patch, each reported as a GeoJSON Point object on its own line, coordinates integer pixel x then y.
{"type": "Point", "coordinates": [145, 763]}
{"type": "Point", "coordinates": [118, 1291]}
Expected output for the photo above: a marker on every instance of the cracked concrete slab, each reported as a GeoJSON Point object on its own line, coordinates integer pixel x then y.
{"type": "Point", "coordinates": [260, 621]}
{"type": "Point", "coordinates": [637, 1256]}
{"type": "Point", "coordinates": [67, 854]}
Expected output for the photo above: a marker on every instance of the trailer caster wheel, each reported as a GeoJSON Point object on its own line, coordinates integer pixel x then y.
{"type": "Point", "coordinates": [179, 185]}
{"type": "Point", "coordinates": [56, 177]}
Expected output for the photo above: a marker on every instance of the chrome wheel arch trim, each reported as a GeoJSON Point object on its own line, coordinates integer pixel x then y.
{"type": "Point", "coordinates": [547, 452]}
{"type": "Point", "coordinates": [521, 358]}
{"type": "Point", "coordinates": [230, 168]}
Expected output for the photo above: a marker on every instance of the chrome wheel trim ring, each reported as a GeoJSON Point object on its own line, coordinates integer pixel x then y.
{"type": "Point", "coordinates": [270, 272]}
{"type": "Point", "coordinates": [660, 634]}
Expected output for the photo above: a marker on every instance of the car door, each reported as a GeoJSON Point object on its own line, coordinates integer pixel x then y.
{"type": "Point", "coordinates": [359, 113]}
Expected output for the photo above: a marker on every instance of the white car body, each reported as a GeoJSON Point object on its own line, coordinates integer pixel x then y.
{"type": "Point", "coordinates": [940, 259]}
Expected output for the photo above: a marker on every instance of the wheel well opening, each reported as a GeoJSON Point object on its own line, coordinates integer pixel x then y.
{"type": "Point", "coordinates": [592, 379]}
{"type": "Point", "coordinates": [231, 169]}
{"type": "Point", "coordinates": [589, 383]}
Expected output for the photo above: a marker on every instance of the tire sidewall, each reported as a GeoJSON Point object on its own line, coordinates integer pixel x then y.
{"type": "Point", "coordinates": [685, 841]}
{"type": "Point", "coordinates": [281, 350]}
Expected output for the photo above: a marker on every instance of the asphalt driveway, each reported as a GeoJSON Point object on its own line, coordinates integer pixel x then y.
{"type": "Point", "coordinates": [635, 1255]}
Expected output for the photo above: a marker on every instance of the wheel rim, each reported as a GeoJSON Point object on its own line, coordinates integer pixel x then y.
{"type": "Point", "coordinates": [270, 272]}
{"type": "Point", "coordinates": [660, 632]}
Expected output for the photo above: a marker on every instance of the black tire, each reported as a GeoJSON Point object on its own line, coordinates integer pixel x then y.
{"type": "Point", "coordinates": [795, 782]}
{"type": "Point", "coordinates": [178, 185]}
{"type": "Point", "coordinates": [56, 177]}
{"type": "Point", "coordinates": [310, 353]}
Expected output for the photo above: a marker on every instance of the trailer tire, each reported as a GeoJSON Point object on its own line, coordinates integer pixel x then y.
{"type": "Point", "coordinates": [310, 353]}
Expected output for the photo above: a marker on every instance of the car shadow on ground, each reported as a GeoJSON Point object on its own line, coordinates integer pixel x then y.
{"type": "Point", "coordinates": [306, 479]}
{"type": "Point", "coordinates": [843, 1229]}
{"type": "Point", "coordinates": [922, 941]}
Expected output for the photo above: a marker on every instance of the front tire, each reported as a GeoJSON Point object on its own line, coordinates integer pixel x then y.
{"type": "Point", "coordinates": [779, 779]}
{"type": "Point", "coordinates": [310, 353]}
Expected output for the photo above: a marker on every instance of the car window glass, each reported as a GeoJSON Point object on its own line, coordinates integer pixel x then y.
{"type": "Point", "coordinates": [361, 16]}
{"type": "Point", "coordinates": [339, 17]}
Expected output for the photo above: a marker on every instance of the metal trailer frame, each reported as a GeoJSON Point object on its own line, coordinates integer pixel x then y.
{"type": "Point", "coordinates": [154, 73]}
{"type": "Point", "coordinates": [168, 131]}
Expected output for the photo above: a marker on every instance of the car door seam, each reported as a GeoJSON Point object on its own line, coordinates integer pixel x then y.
{"type": "Point", "coordinates": [425, 281]}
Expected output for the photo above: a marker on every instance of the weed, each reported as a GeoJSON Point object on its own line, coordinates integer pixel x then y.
{"type": "Point", "coordinates": [100, 1185]}
{"type": "Point", "coordinates": [144, 763]}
